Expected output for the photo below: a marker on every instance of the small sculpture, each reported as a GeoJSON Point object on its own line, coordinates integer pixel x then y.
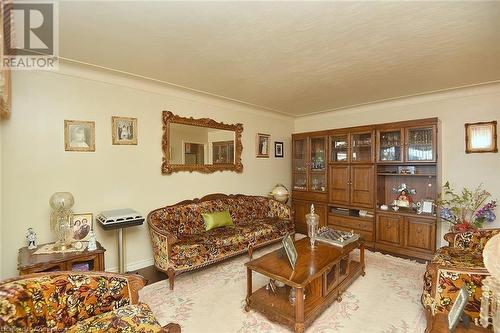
{"type": "Point", "coordinates": [312, 220]}
{"type": "Point", "coordinates": [92, 242]}
{"type": "Point", "coordinates": [404, 196]}
{"type": "Point", "coordinates": [31, 238]}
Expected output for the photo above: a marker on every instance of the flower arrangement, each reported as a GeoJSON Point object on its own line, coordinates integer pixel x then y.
{"type": "Point", "coordinates": [467, 210]}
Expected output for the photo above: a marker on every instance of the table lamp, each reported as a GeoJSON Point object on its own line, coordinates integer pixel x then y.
{"type": "Point", "coordinates": [61, 218]}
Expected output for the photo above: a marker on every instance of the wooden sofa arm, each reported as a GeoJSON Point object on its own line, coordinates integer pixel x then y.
{"type": "Point", "coordinates": [136, 282]}
{"type": "Point", "coordinates": [171, 328]}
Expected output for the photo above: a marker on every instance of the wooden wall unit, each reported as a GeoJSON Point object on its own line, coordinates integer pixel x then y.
{"type": "Point", "coordinates": [361, 173]}
{"type": "Point", "coordinates": [310, 182]}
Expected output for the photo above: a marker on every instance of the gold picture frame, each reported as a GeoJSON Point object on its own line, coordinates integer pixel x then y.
{"type": "Point", "coordinates": [82, 226]}
{"type": "Point", "coordinates": [481, 137]}
{"type": "Point", "coordinates": [262, 145]}
{"type": "Point", "coordinates": [79, 135]}
{"type": "Point", "coordinates": [124, 130]}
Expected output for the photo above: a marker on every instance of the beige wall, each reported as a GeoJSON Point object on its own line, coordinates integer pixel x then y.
{"type": "Point", "coordinates": [35, 165]}
{"type": "Point", "coordinates": [454, 109]}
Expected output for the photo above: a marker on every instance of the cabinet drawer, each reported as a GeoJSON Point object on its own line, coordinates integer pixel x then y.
{"type": "Point", "coordinates": [350, 223]}
{"type": "Point", "coordinates": [367, 235]}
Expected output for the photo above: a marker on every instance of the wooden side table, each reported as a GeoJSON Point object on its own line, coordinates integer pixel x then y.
{"type": "Point", "coordinates": [439, 324]}
{"type": "Point", "coordinates": [71, 261]}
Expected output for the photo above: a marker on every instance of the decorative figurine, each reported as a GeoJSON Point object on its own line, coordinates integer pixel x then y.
{"type": "Point", "coordinates": [312, 220]}
{"type": "Point", "coordinates": [92, 242]}
{"type": "Point", "coordinates": [404, 196]}
{"type": "Point", "coordinates": [31, 238]}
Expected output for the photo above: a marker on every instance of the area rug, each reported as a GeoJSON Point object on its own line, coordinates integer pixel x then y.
{"type": "Point", "coordinates": [386, 300]}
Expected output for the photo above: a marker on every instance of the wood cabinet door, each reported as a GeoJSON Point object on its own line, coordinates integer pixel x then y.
{"type": "Point", "coordinates": [322, 212]}
{"type": "Point", "coordinates": [301, 209]}
{"type": "Point", "coordinates": [362, 185]}
{"type": "Point", "coordinates": [339, 184]}
{"type": "Point", "coordinates": [389, 229]}
{"type": "Point", "coordinates": [420, 234]}
{"type": "Point", "coordinates": [420, 144]}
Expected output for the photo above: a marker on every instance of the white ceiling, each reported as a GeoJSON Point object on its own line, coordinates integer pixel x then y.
{"type": "Point", "coordinates": [293, 57]}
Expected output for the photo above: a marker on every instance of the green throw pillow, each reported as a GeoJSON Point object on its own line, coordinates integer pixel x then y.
{"type": "Point", "coordinates": [217, 219]}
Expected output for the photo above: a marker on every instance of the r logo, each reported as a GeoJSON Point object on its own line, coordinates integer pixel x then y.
{"type": "Point", "coordinates": [30, 27]}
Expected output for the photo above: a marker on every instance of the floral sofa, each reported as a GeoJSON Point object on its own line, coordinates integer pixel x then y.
{"type": "Point", "coordinates": [76, 302]}
{"type": "Point", "coordinates": [180, 242]}
{"type": "Point", "coordinates": [460, 263]}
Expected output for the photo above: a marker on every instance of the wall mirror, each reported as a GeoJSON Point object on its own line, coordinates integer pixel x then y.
{"type": "Point", "coordinates": [202, 145]}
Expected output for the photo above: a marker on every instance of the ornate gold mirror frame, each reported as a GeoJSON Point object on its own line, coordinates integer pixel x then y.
{"type": "Point", "coordinates": [168, 168]}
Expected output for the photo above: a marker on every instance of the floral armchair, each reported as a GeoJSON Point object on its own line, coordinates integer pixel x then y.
{"type": "Point", "coordinates": [453, 266]}
{"type": "Point", "coordinates": [76, 302]}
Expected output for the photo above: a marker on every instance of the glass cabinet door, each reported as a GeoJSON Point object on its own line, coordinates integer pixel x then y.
{"type": "Point", "coordinates": [361, 147]}
{"type": "Point", "coordinates": [390, 146]}
{"type": "Point", "coordinates": [318, 154]}
{"type": "Point", "coordinates": [300, 155]}
{"type": "Point", "coordinates": [420, 144]}
{"type": "Point", "coordinates": [339, 145]}
{"type": "Point", "coordinates": [300, 181]}
{"type": "Point", "coordinates": [318, 181]}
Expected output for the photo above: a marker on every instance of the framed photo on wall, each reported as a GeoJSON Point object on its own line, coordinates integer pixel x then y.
{"type": "Point", "coordinates": [262, 145]}
{"type": "Point", "coordinates": [278, 149]}
{"type": "Point", "coordinates": [79, 135]}
{"type": "Point", "coordinates": [124, 130]}
{"type": "Point", "coordinates": [481, 137]}
{"type": "Point", "coordinates": [82, 225]}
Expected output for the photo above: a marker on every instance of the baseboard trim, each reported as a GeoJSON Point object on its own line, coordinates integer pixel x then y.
{"type": "Point", "coordinates": [133, 266]}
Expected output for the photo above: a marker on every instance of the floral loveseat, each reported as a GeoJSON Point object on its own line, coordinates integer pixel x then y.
{"type": "Point", "coordinates": [460, 263]}
{"type": "Point", "coordinates": [76, 302]}
{"type": "Point", "coordinates": [180, 242]}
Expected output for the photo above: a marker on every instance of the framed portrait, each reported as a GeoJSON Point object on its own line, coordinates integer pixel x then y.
{"type": "Point", "coordinates": [124, 130]}
{"type": "Point", "coordinates": [79, 135]}
{"type": "Point", "coordinates": [262, 145]}
{"type": "Point", "coordinates": [456, 311]}
{"type": "Point", "coordinates": [278, 149]}
{"type": "Point", "coordinates": [427, 206]}
{"type": "Point", "coordinates": [481, 137]}
{"type": "Point", "coordinates": [82, 225]}
{"type": "Point", "coordinates": [290, 250]}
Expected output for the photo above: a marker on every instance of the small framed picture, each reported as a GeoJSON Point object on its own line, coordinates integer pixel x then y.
{"type": "Point", "coordinates": [456, 311]}
{"type": "Point", "coordinates": [82, 225]}
{"type": "Point", "coordinates": [425, 206]}
{"type": "Point", "coordinates": [290, 250]}
{"type": "Point", "coordinates": [262, 145]}
{"type": "Point", "coordinates": [481, 137]}
{"type": "Point", "coordinates": [79, 135]}
{"type": "Point", "coordinates": [124, 130]}
{"type": "Point", "coordinates": [278, 149]}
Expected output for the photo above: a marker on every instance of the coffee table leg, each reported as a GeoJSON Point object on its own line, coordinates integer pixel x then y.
{"type": "Point", "coordinates": [249, 289]}
{"type": "Point", "coordinates": [299, 310]}
{"type": "Point", "coordinates": [362, 258]}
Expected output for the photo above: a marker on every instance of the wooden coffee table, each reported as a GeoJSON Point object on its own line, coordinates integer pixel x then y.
{"type": "Point", "coordinates": [321, 274]}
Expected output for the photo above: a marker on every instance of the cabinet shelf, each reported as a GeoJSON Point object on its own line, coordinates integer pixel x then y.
{"type": "Point", "coordinates": [406, 212]}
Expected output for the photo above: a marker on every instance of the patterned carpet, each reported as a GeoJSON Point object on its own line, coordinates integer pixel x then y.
{"type": "Point", "coordinates": [386, 300]}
